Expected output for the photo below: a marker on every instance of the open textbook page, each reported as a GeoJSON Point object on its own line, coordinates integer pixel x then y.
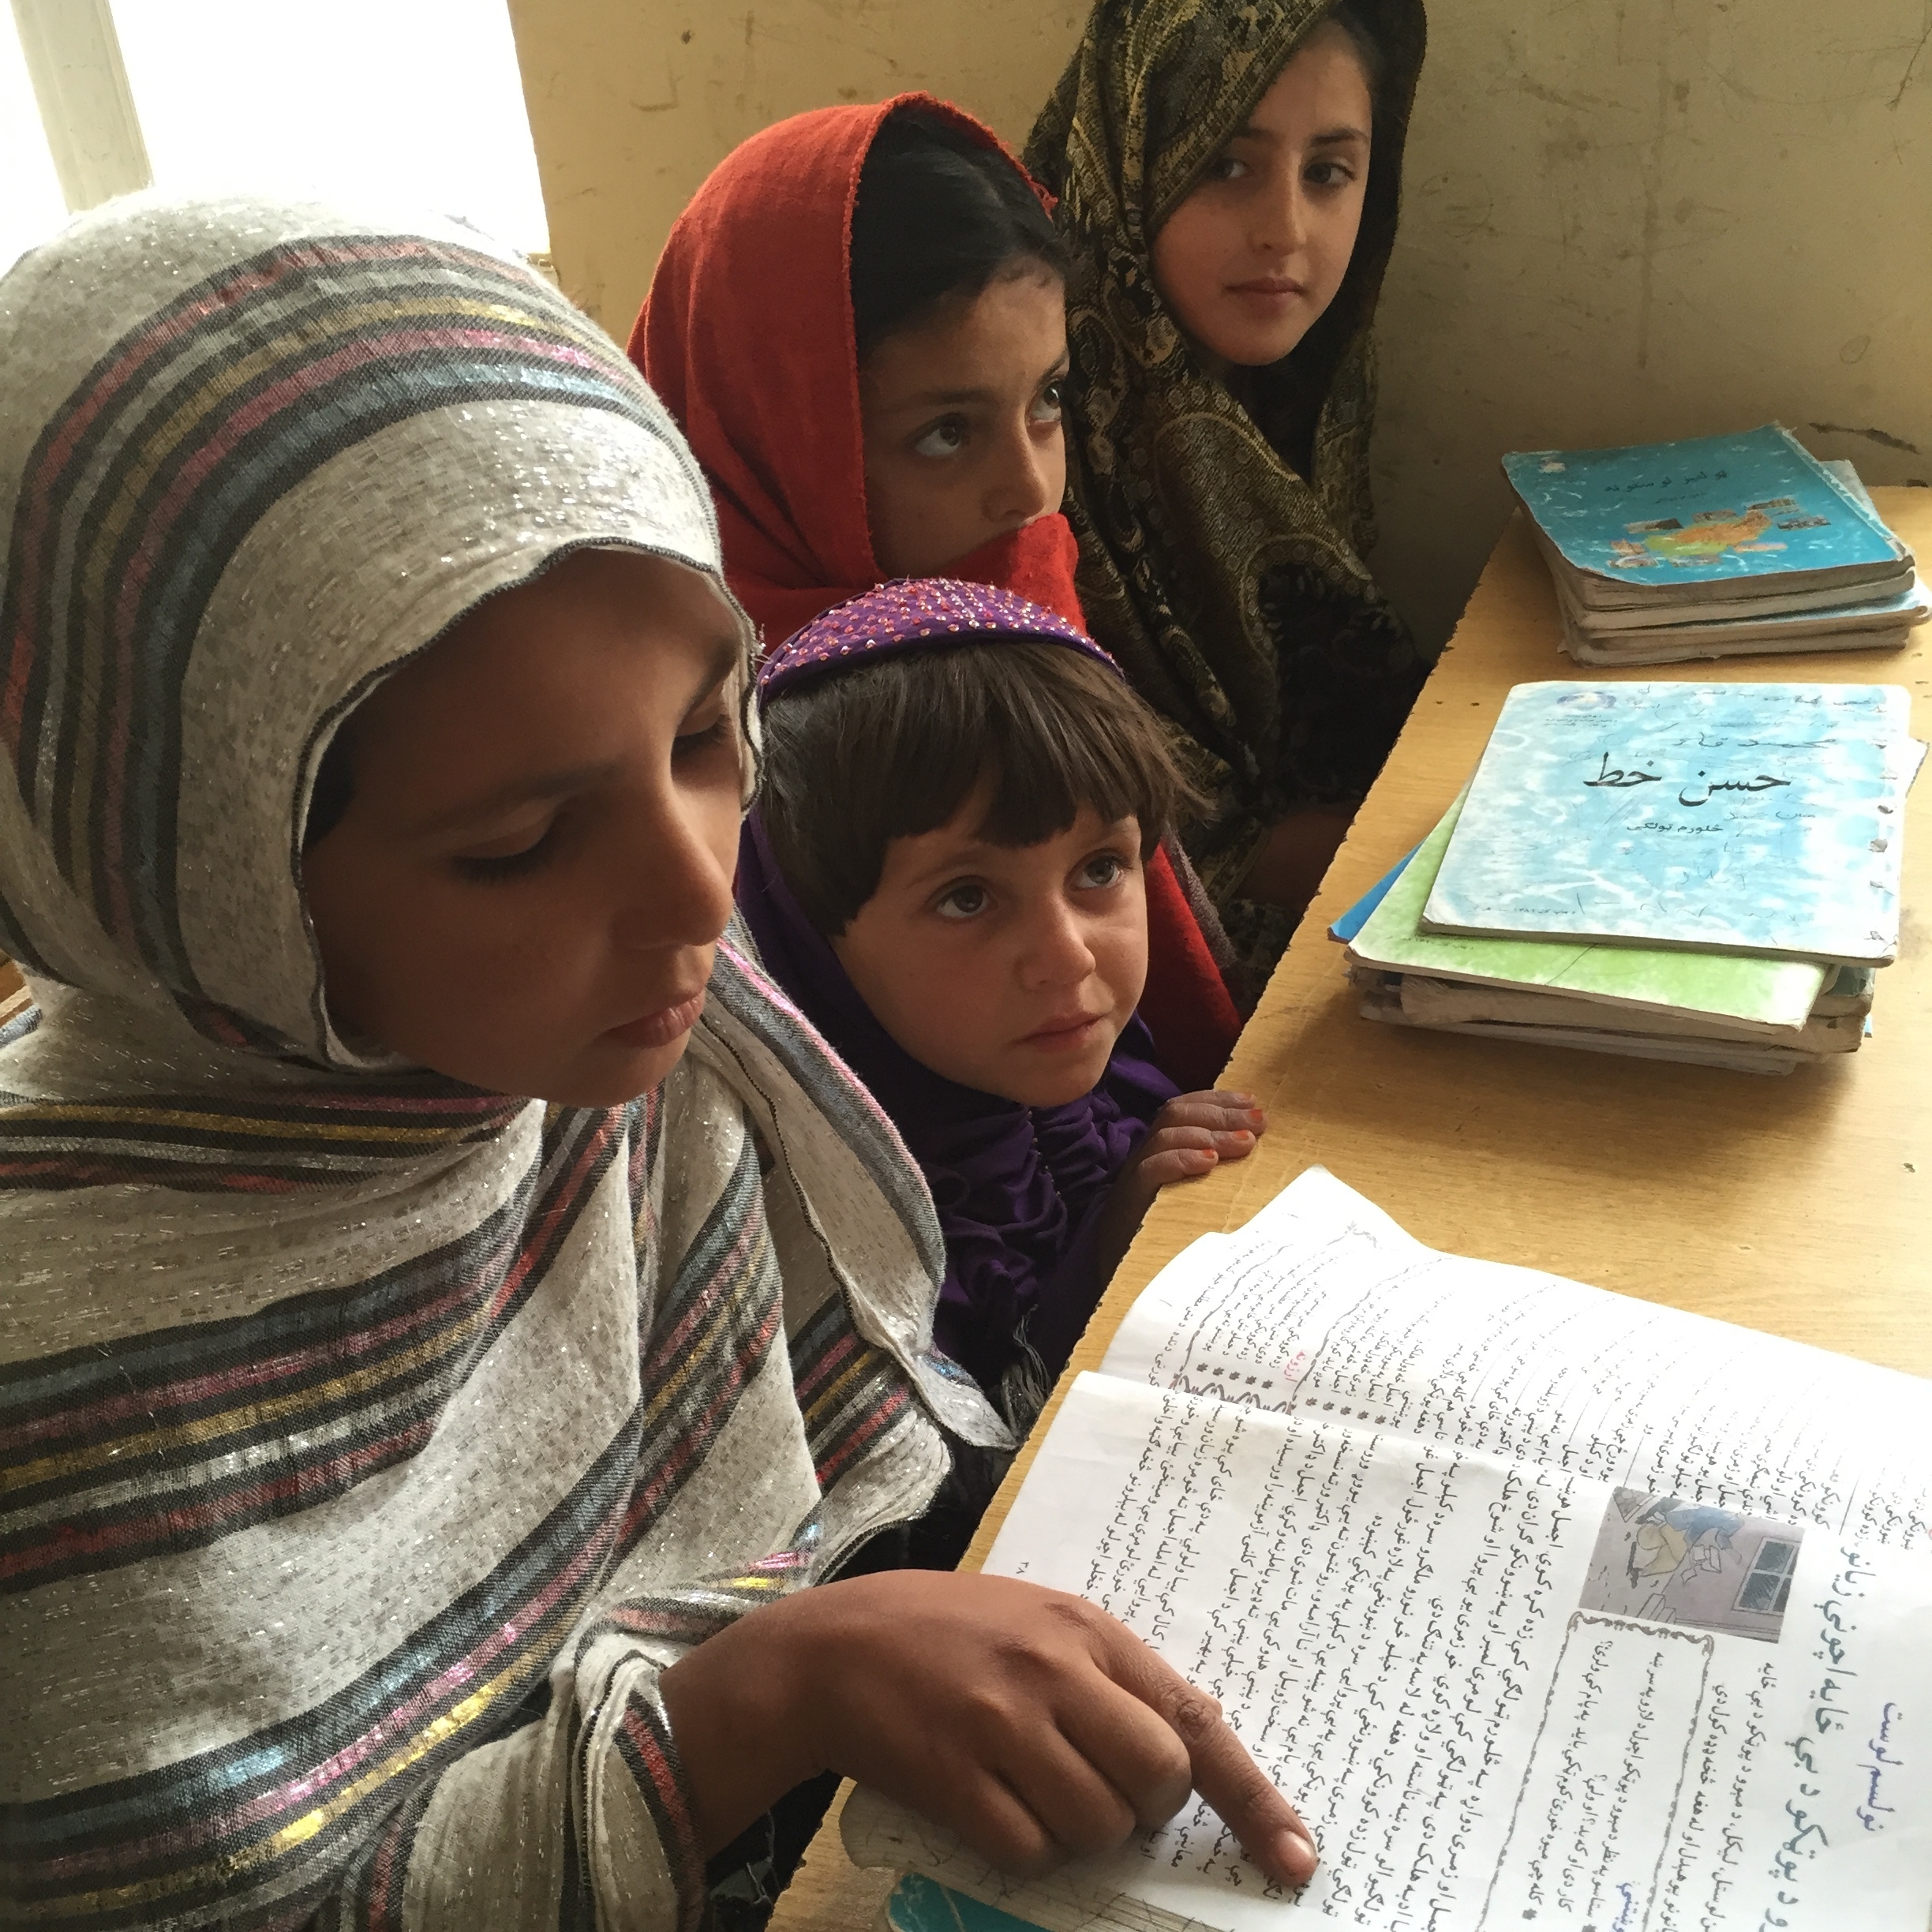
{"type": "Point", "coordinates": [1556, 1649]}
{"type": "Point", "coordinates": [1322, 1306]}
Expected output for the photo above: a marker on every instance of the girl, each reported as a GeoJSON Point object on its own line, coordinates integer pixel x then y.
{"type": "Point", "coordinates": [451, 1313]}
{"type": "Point", "coordinates": [960, 911]}
{"type": "Point", "coordinates": [858, 321]}
{"type": "Point", "coordinates": [1228, 176]}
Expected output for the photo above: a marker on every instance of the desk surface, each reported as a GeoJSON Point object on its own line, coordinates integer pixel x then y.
{"type": "Point", "coordinates": [1797, 1204]}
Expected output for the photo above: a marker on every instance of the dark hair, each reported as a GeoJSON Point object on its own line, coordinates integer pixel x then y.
{"type": "Point", "coordinates": [1368, 48]}
{"type": "Point", "coordinates": [335, 785]}
{"type": "Point", "coordinates": [938, 217]}
{"type": "Point", "coordinates": [854, 761]}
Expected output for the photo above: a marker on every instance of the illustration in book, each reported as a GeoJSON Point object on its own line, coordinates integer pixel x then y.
{"type": "Point", "coordinates": [1710, 508]}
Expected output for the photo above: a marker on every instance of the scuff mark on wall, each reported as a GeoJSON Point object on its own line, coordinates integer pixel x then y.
{"type": "Point", "coordinates": [1883, 438]}
{"type": "Point", "coordinates": [1912, 67]}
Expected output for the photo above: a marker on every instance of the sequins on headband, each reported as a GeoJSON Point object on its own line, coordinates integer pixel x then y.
{"type": "Point", "coordinates": [915, 613]}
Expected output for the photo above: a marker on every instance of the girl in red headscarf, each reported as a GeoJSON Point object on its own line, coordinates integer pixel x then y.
{"type": "Point", "coordinates": [858, 322]}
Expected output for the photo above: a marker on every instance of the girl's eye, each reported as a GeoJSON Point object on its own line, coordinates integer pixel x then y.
{"type": "Point", "coordinates": [722, 730]}
{"type": "Point", "coordinates": [947, 437]}
{"type": "Point", "coordinates": [1227, 167]}
{"type": "Point", "coordinates": [961, 902]}
{"type": "Point", "coordinates": [1051, 403]}
{"type": "Point", "coordinates": [488, 868]}
{"type": "Point", "coordinates": [1329, 174]}
{"type": "Point", "coordinates": [1104, 869]}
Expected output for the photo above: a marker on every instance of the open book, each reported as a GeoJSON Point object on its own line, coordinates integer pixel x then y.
{"type": "Point", "coordinates": [1548, 1607]}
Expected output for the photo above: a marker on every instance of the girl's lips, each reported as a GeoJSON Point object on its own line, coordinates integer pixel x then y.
{"type": "Point", "coordinates": [1272, 291]}
{"type": "Point", "coordinates": [661, 1027]}
{"type": "Point", "coordinates": [1065, 1035]}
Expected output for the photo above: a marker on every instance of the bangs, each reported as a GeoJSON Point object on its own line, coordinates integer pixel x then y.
{"type": "Point", "coordinates": [1040, 733]}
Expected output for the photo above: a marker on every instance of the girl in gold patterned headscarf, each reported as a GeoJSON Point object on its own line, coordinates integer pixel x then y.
{"type": "Point", "coordinates": [1229, 172]}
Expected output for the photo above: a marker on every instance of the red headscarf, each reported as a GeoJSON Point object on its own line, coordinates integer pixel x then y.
{"type": "Point", "coordinates": [747, 336]}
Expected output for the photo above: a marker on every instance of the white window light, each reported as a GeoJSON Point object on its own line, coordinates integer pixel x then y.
{"type": "Point", "coordinates": [413, 101]}
{"type": "Point", "coordinates": [387, 103]}
{"type": "Point", "coordinates": [32, 204]}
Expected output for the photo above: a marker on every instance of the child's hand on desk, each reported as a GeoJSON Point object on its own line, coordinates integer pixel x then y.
{"type": "Point", "coordinates": [1190, 1136]}
{"type": "Point", "coordinates": [1033, 1725]}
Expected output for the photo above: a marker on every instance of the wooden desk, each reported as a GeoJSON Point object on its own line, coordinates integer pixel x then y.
{"type": "Point", "coordinates": [1801, 1205]}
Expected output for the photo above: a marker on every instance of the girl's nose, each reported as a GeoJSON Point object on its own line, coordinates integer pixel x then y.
{"type": "Point", "coordinates": [672, 891]}
{"type": "Point", "coordinates": [1056, 952]}
{"type": "Point", "coordinates": [1283, 226]}
{"type": "Point", "coordinates": [1023, 485]}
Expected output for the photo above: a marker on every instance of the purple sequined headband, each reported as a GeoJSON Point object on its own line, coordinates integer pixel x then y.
{"type": "Point", "coordinates": [911, 614]}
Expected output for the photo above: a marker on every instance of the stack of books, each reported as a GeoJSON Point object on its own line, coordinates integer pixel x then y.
{"type": "Point", "coordinates": [1717, 547]}
{"type": "Point", "coordinates": [1697, 872]}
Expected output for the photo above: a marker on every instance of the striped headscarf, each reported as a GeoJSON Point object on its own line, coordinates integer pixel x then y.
{"type": "Point", "coordinates": [370, 1442]}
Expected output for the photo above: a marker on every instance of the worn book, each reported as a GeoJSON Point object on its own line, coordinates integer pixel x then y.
{"type": "Point", "coordinates": [1435, 1006]}
{"type": "Point", "coordinates": [1703, 521]}
{"type": "Point", "coordinates": [1448, 1002]}
{"type": "Point", "coordinates": [1744, 995]}
{"type": "Point", "coordinates": [1884, 625]}
{"type": "Point", "coordinates": [1547, 1607]}
{"type": "Point", "coordinates": [1765, 819]}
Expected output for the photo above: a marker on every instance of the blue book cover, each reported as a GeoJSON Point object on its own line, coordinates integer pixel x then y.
{"type": "Point", "coordinates": [1662, 517]}
{"type": "Point", "coordinates": [1764, 819]}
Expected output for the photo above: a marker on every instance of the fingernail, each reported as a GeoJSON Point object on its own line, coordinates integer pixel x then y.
{"type": "Point", "coordinates": [1297, 1854]}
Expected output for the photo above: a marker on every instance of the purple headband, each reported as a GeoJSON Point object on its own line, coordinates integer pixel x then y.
{"type": "Point", "coordinates": [913, 613]}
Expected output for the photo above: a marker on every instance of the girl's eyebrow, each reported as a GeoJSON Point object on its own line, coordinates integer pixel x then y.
{"type": "Point", "coordinates": [940, 399]}
{"type": "Point", "coordinates": [928, 399]}
{"type": "Point", "coordinates": [723, 657]}
{"type": "Point", "coordinates": [524, 791]}
{"type": "Point", "coordinates": [1332, 138]}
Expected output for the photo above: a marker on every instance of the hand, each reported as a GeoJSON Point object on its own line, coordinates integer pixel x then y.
{"type": "Point", "coordinates": [1190, 1136]}
{"type": "Point", "coordinates": [1033, 1725]}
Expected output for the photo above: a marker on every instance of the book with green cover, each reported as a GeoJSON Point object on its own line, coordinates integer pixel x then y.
{"type": "Point", "coordinates": [1774, 994]}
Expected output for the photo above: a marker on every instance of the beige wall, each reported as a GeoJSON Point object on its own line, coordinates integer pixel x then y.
{"type": "Point", "coordinates": [632, 103]}
{"type": "Point", "coordinates": [1625, 219]}
{"type": "Point", "coordinates": [1636, 219]}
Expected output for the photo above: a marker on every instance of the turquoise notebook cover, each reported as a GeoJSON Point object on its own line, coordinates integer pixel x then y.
{"type": "Point", "coordinates": [1763, 818]}
{"type": "Point", "coordinates": [1662, 516]}
{"type": "Point", "coordinates": [922, 1905]}
{"type": "Point", "coordinates": [1770, 992]}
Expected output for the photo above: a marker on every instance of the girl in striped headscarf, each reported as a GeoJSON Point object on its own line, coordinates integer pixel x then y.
{"type": "Point", "coordinates": [408, 1486]}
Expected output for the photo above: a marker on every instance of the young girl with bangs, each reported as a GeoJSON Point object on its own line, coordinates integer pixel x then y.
{"type": "Point", "coordinates": [945, 870]}
{"type": "Point", "coordinates": [905, 418]}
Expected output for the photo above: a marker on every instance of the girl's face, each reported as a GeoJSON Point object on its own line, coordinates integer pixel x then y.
{"type": "Point", "coordinates": [1009, 970]}
{"type": "Point", "coordinates": [1251, 258]}
{"type": "Point", "coordinates": [527, 888]}
{"type": "Point", "coordinates": [961, 418]}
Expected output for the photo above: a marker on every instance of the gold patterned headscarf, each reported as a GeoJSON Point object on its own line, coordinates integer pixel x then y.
{"type": "Point", "coordinates": [1221, 541]}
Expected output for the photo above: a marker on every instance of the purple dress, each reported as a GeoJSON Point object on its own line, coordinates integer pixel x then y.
{"type": "Point", "coordinates": [1019, 1190]}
